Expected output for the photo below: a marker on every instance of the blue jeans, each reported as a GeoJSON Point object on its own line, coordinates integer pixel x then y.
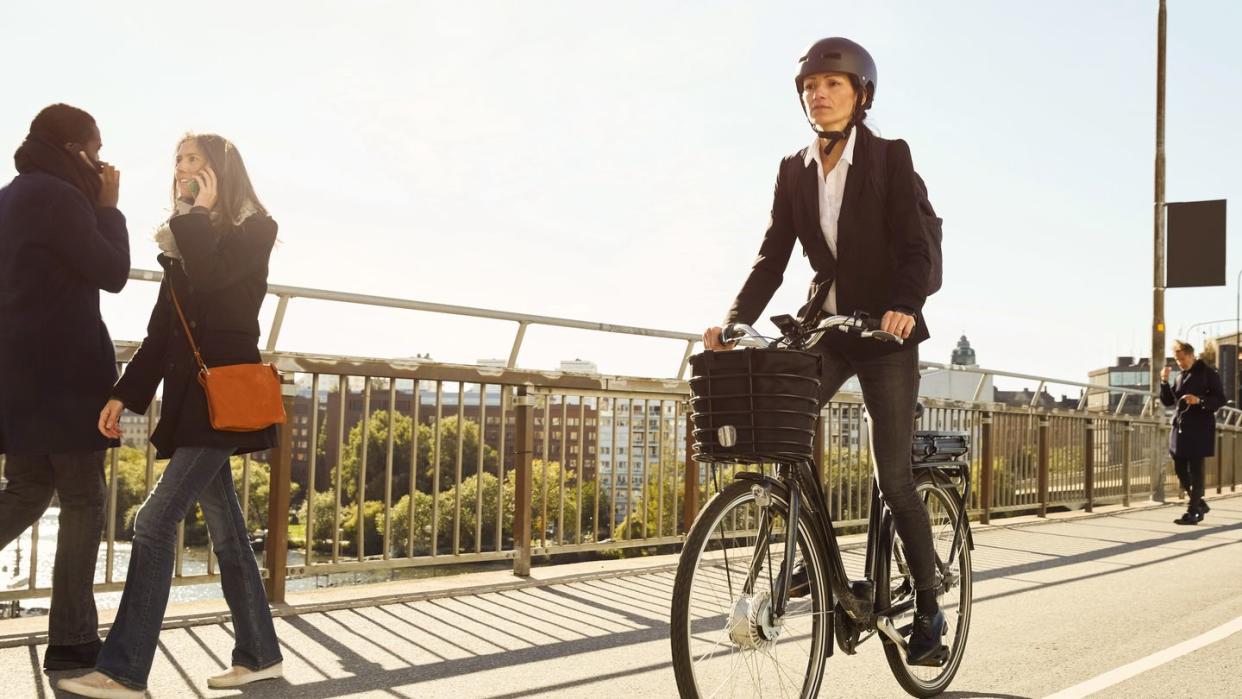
{"type": "Point", "coordinates": [203, 474]}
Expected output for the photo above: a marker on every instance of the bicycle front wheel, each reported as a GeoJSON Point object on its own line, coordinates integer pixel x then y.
{"type": "Point", "coordinates": [895, 588]}
{"type": "Point", "coordinates": [726, 639]}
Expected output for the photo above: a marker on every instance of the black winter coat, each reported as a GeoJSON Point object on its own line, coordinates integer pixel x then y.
{"type": "Point", "coordinates": [883, 260]}
{"type": "Point", "coordinates": [221, 281]}
{"type": "Point", "coordinates": [57, 362]}
{"type": "Point", "coordinates": [1194, 426]}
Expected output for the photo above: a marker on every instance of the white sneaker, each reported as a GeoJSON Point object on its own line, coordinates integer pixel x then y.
{"type": "Point", "coordinates": [239, 676]}
{"type": "Point", "coordinates": [99, 686]}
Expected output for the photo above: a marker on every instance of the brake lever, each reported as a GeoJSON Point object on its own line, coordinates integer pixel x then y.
{"type": "Point", "coordinates": [882, 336]}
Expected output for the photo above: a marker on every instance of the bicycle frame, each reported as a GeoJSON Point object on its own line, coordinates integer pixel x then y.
{"type": "Point", "coordinates": [856, 597]}
{"type": "Point", "coordinates": [800, 483]}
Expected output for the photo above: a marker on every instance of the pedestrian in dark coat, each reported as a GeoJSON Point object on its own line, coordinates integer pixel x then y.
{"type": "Point", "coordinates": [62, 239]}
{"type": "Point", "coordinates": [1197, 393]}
{"type": "Point", "coordinates": [215, 255]}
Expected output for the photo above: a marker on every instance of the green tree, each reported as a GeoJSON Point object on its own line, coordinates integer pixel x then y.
{"type": "Point", "coordinates": [373, 528]}
{"type": "Point", "coordinates": [656, 515]}
{"type": "Point", "coordinates": [546, 489]}
{"type": "Point", "coordinates": [322, 529]}
{"type": "Point", "coordinates": [468, 524]}
{"type": "Point", "coordinates": [403, 430]}
{"type": "Point", "coordinates": [488, 487]}
{"type": "Point", "coordinates": [420, 524]}
{"type": "Point", "coordinates": [591, 494]}
{"type": "Point", "coordinates": [447, 461]}
{"type": "Point", "coordinates": [376, 457]}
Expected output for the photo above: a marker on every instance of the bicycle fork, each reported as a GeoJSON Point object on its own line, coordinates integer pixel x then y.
{"type": "Point", "coordinates": [783, 582]}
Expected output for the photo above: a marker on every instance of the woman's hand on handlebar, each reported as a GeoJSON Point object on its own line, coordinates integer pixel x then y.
{"type": "Point", "coordinates": [712, 340]}
{"type": "Point", "coordinates": [898, 323]}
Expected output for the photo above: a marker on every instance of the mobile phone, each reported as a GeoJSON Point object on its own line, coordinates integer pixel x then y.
{"type": "Point", "coordinates": [79, 148]}
{"type": "Point", "coordinates": [193, 188]}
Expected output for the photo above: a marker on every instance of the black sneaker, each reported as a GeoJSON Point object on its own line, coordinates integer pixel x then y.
{"type": "Point", "coordinates": [1191, 517]}
{"type": "Point", "coordinates": [925, 647]}
{"type": "Point", "coordinates": [73, 657]}
{"type": "Point", "coordinates": [1203, 508]}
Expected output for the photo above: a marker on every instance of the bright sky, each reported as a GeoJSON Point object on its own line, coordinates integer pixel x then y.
{"type": "Point", "coordinates": [614, 162]}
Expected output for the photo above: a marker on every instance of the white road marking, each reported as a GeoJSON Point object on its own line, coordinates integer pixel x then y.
{"type": "Point", "coordinates": [1150, 662]}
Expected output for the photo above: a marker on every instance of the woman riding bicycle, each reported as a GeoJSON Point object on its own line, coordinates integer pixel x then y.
{"type": "Point", "coordinates": [850, 200]}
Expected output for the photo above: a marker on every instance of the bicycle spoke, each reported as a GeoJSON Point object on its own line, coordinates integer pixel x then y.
{"type": "Point", "coordinates": [954, 596]}
{"type": "Point", "coordinates": [777, 664]}
{"type": "Point", "coordinates": [730, 586]}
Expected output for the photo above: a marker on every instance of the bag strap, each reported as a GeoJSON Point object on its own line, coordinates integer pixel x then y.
{"type": "Point", "coordinates": [188, 335]}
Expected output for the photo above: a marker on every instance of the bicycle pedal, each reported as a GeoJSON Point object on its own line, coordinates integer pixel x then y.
{"type": "Point", "coordinates": [937, 659]}
{"type": "Point", "coordinates": [845, 630]}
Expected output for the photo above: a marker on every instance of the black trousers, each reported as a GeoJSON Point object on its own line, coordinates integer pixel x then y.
{"type": "Point", "coordinates": [890, 388]}
{"type": "Point", "coordinates": [78, 479]}
{"type": "Point", "coordinates": [1190, 475]}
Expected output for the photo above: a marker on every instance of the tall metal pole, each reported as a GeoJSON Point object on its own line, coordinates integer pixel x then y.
{"type": "Point", "coordinates": [1157, 324]}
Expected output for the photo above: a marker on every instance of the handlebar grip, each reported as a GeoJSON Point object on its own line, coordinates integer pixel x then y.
{"type": "Point", "coordinates": [731, 333]}
{"type": "Point", "coordinates": [887, 337]}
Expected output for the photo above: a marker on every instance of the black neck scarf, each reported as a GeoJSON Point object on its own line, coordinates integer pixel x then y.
{"type": "Point", "coordinates": [41, 153]}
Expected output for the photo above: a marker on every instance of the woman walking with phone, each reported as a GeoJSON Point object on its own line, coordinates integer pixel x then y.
{"type": "Point", "coordinates": [214, 252]}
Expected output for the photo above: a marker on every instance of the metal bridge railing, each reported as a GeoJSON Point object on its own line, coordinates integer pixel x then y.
{"type": "Point", "coordinates": [408, 463]}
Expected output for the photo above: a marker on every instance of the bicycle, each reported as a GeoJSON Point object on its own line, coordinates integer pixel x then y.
{"type": "Point", "coordinates": [735, 625]}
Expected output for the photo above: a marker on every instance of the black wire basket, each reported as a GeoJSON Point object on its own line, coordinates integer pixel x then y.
{"type": "Point", "coordinates": [753, 406]}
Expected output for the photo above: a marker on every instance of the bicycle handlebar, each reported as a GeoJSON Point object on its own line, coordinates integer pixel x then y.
{"type": "Point", "coordinates": [858, 324]}
{"type": "Point", "coordinates": [743, 334]}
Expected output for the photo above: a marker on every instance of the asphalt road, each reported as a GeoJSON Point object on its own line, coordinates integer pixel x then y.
{"type": "Point", "coordinates": [1124, 605]}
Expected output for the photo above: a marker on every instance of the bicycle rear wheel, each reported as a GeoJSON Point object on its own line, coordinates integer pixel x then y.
{"type": "Point", "coordinates": [895, 588]}
{"type": "Point", "coordinates": [725, 640]}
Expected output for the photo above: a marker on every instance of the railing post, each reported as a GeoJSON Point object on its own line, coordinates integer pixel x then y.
{"type": "Point", "coordinates": [1159, 456]}
{"type": "Point", "coordinates": [1233, 465]}
{"type": "Point", "coordinates": [985, 468]}
{"type": "Point", "coordinates": [691, 499]}
{"type": "Point", "coordinates": [523, 458]}
{"type": "Point", "coordinates": [1220, 461]}
{"type": "Point", "coordinates": [1127, 429]}
{"type": "Point", "coordinates": [1043, 465]}
{"type": "Point", "coordinates": [1088, 463]}
{"type": "Point", "coordinates": [277, 321]}
{"type": "Point", "coordinates": [276, 546]}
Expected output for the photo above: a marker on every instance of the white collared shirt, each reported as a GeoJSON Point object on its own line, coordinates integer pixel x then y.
{"type": "Point", "coordinates": [831, 192]}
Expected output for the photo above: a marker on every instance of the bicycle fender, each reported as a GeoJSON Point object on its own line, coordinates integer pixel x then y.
{"type": "Point", "coordinates": [752, 477]}
{"type": "Point", "coordinates": [970, 536]}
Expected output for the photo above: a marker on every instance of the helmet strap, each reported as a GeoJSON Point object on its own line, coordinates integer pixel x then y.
{"type": "Point", "coordinates": [835, 137]}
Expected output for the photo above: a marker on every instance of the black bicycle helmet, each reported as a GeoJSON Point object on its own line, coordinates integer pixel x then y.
{"type": "Point", "coordinates": [839, 55]}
